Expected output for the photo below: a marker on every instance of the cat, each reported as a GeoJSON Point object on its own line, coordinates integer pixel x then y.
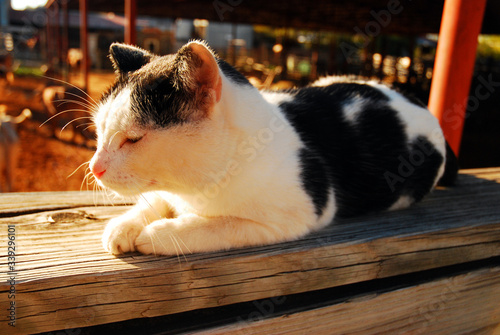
{"type": "Point", "coordinates": [217, 164]}
{"type": "Point", "coordinates": [10, 146]}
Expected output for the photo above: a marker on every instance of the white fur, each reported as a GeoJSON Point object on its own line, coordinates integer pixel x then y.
{"type": "Point", "coordinates": [327, 81]}
{"type": "Point", "coordinates": [329, 211]}
{"type": "Point", "coordinates": [352, 108]}
{"type": "Point", "coordinates": [276, 98]}
{"type": "Point", "coordinates": [403, 202]}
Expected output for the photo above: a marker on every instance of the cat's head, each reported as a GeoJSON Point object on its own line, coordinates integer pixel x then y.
{"type": "Point", "coordinates": [157, 124]}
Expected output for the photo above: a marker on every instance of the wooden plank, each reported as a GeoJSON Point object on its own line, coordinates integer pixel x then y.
{"type": "Point", "coordinates": [463, 304]}
{"type": "Point", "coordinates": [12, 204]}
{"type": "Point", "coordinates": [65, 279]}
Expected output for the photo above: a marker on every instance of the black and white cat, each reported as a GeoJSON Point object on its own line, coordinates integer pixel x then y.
{"type": "Point", "coordinates": [221, 165]}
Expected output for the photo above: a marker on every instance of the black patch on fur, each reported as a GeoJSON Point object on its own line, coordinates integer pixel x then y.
{"type": "Point", "coordinates": [422, 164]}
{"type": "Point", "coordinates": [414, 100]}
{"type": "Point", "coordinates": [358, 155]}
{"type": "Point", "coordinates": [314, 179]}
{"type": "Point", "coordinates": [450, 169]}
{"type": "Point", "coordinates": [232, 74]}
{"type": "Point", "coordinates": [163, 93]}
{"type": "Point", "coordinates": [410, 97]}
{"type": "Point", "coordinates": [158, 93]}
{"type": "Point", "coordinates": [127, 58]}
{"type": "Point", "coordinates": [160, 100]}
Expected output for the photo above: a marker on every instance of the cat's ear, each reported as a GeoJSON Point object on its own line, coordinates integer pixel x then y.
{"type": "Point", "coordinates": [127, 58]}
{"type": "Point", "coordinates": [199, 68]}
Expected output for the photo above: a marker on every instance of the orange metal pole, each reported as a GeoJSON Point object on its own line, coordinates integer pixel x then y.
{"type": "Point", "coordinates": [130, 21]}
{"type": "Point", "coordinates": [84, 42]}
{"type": "Point", "coordinates": [454, 65]}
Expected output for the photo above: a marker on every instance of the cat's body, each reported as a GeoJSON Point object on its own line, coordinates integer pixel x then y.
{"type": "Point", "coordinates": [222, 165]}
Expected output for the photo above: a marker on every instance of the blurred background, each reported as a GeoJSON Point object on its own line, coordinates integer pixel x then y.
{"type": "Point", "coordinates": [277, 45]}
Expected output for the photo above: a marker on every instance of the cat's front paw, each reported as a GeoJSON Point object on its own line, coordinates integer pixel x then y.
{"type": "Point", "coordinates": [119, 235]}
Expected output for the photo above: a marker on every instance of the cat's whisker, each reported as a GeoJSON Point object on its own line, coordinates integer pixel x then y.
{"type": "Point", "coordinates": [119, 197]}
{"type": "Point", "coordinates": [176, 247]}
{"type": "Point", "coordinates": [185, 245]}
{"type": "Point", "coordinates": [70, 84]}
{"type": "Point", "coordinates": [113, 137]}
{"type": "Point", "coordinates": [94, 195]}
{"type": "Point", "coordinates": [85, 124]}
{"type": "Point", "coordinates": [53, 116]}
{"type": "Point", "coordinates": [96, 187]}
{"type": "Point", "coordinates": [136, 199]}
{"type": "Point", "coordinates": [89, 179]}
{"type": "Point", "coordinates": [78, 168]}
{"type": "Point", "coordinates": [92, 106]}
{"type": "Point", "coordinates": [74, 120]}
{"type": "Point", "coordinates": [86, 179]}
{"type": "Point", "coordinates": [70, 101]}
{"type": "Point", "coordinates": [83, 181]}
{"type": "Point", "coordinates": [94, 192]}
{"type": "Point", "coordinates": [175, 239]}
{"type": "Point", "coordinates": [62, 112]}
{"type": "Point", "coordinates": [86, 128]}
{"type": "Point", "coordinates": [110, 195]}
{"type": "Point", "coordinates": [106, 192]}
{"type": "Point", "coordinates": [134, 194]}
{"type": "Point", "coordinates": [88, 176]}
{"type": "Point", "coordinates": [103, 194]}
{"type": "Point", "coordinates": [148, 222]}
{"type": "Point", "coordinates": [75, 110]}
{"type": "Point", "coordinates": [151, 207]}
{"type": "Point", "coordinates": [179, 247]}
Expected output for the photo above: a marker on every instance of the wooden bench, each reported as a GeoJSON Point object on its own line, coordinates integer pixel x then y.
{"type": "Point", "coordinates": [433, 268]}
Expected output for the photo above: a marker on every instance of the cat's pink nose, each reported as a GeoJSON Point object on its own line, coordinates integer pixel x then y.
{"type": "Point", "coordinates": [98, 174]}
{"type": "Point", "coordinates": [99, 163]}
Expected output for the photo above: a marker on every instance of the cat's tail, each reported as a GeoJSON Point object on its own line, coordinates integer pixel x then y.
{"type": "Point", "coordinates": [450, 169]}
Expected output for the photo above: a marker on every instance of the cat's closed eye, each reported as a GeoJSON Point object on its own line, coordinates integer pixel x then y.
{"type": "Point", "coordinates": [134, 140]}
{"type": "Point", "coordinates": [131, 140]}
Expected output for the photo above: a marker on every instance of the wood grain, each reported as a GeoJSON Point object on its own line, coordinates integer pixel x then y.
{"type": "Point", "coordinates": [66, 280]}
{"type": "Point", "coordinates": [462, 304]}
{"type": "Point", "coordinates": [12, 204]}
